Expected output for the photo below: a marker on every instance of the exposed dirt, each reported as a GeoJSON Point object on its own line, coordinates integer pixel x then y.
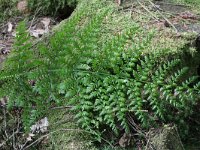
{"type": "Point", "coordinates": [167, 6]}
{"type": "Point", "coordinates": [7, 37]}
{"type": "Point", "coordinates": [181, 16]}
{"type": "Point", "coordinates": [165, 14]}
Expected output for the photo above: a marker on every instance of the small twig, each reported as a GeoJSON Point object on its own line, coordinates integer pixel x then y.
{"type": "Point", "coordinates": [143, 6]}
{"type": "Point", "coordinates": [22, 147]}
{"type": "Point", "coordinates": [125, 7]}
{"type": "Point", "coordinates": [63, 107]}
{"type": "Point", "coordinates": [163, 16]}
{"type": "Point", "coordinates": [18, 122]}
{"type": "Point", "coordinates": [44, 37]}
{"type": "Point", "coordinates": [5, 120]}
{"type": "Point", "coordinates": [4, 142]}
{"type": "Point", "coordinates": [179, 138]}
{"type": "Point", "coordinates": [33, 19]}
{"type": "Point", "coordinates": [13, 134]}
{"type": "Point", "coordinates": [168, 21]}
{"type": "Point", "coordinates": [146, 147]}
{"type": "Point", "coordinates": [141, 13]}
{"type": "Point", "coordinates": [131, 11]}
{"type": "Point", "coordinates": [108, 142]}
{"type": "Point", "coordinates": [137, 129]}
{"type": "Point", "coordinates": [2, 26]}
{"type": "Point", "coordinates": [138, 110]}
{"type": "Point", "coordinates": [148, 141]}
{"type": "Point", "coordinates": [42, 137]}
{"type": "Point", "coordinates": [13, 143]}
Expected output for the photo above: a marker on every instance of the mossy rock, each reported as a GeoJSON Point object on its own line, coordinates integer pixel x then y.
{"type": "Point", "coordinates": [165, 138]}
{"type": "Point", "coordinates": [65, 133]}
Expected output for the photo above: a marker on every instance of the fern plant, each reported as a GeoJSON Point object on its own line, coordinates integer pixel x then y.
{"type": "Point", "coordinates": [119, 82]}
{"type": "Point", "coordinates": [153, 93]}
{"type": "Point", "coordinates": [35, 78]}
{"type": "Point", "coordinates": [16, 82]}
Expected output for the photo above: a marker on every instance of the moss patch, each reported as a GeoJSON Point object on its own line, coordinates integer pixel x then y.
{"type": "Point", "coordinates": [65, 134]}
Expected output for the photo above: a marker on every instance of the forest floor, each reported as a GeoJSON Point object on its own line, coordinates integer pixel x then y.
{"type": "Point", "coordinates": [176, 24]}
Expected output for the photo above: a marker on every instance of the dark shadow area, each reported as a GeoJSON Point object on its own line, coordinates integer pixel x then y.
{"type": "Point", "coordinates": [198, 70]}
{"type": "Point", "coordinates": [65, 12]}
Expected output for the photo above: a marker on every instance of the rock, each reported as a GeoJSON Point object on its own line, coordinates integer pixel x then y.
{"type": "Point", "coordinates": [125, 140]}
{"type": "Point", "coordinates": [22, 6]}
{"type": "Point", "coordinates": [171, 7]}
{"type": "Point", "coordinates": [165, 138]}
{"type": "Point", "coordinates": [119, 2]}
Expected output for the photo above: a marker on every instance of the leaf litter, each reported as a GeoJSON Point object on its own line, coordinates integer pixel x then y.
{"type": "Point", "coordinates": [12, 135]}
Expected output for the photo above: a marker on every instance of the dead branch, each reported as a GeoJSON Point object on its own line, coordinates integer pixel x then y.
{"type": "Point", "coordinates": [157, 9]}
{"type": "Point", "coordinates": [145, 8]}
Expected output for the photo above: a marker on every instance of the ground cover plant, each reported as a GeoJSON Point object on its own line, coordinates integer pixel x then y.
{"type": "Point", "coordinates": [194, 4]}
{"type": "Point", "coordinates": [107, 80]}
{"type": "Point", "coordinates": [51, 7]}
{"type": "Point", "coordinates": [7, 8]}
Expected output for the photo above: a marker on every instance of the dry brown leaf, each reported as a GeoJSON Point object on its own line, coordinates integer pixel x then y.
{"type": "Point", "coordinates": [30, 136]}
{"type": "Point", "coordinates": [37, 33]}
{"type": "Point", "coordinates": [46, 22]}
{"type": "Point", "coordinates": [125, 140]}
{"type": "Point", "coordinates": [40, 126]}
{"type": "Point", "coordinates": [3, 101]}
{"type": "Point", "coordinates": [10, 27]}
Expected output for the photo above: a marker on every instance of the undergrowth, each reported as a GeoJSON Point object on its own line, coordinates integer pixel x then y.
{"type": "Point", "coordinates": [109, 82]}
{"type": "Point", "coordinates": [7, 9]}
{"type": "Point", "coordinates": [194, 4]}
{"type": "Point", "coordinates": [51, 7]}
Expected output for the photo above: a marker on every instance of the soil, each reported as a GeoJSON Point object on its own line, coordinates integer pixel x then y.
{"type": "Point", "coordinates": [183, 18]}
{"type": "Point", "coordinates": [167, 6]}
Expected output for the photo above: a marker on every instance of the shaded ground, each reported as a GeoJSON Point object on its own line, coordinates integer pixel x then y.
{"type": "Point", "coordinates": [182, 17]}
{"type": "Point", "coordinates": [165, 14]}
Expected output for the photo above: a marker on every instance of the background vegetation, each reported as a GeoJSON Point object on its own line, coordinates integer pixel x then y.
{"type": "Point", "coordinates": [108, 78]}
{"type": "Point", "coordinates": [8, 9]}
{"type": "Point", "coordinates": [51, 7]}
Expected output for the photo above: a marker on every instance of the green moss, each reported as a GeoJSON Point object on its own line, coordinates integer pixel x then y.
{"type": "Point", "coordinates": [65, 134]}
{"type": "Point", "coordinates": [165, 138]}
{"type": "Point", "coordinates": [193, 4]}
